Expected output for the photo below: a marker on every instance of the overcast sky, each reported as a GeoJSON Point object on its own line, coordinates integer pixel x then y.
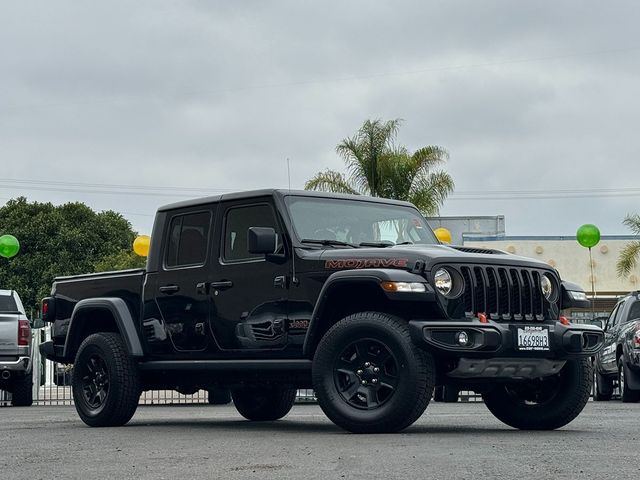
{"type": "Point", "coordinates": [185, 98]}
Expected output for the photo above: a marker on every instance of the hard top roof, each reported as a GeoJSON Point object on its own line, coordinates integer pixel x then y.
{"type": "Point", "coordinates": [269, 192]}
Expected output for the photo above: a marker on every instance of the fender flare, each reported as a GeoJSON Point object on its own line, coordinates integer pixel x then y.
{"type": "Point", "coordinates": [371, 276]}
{"type": "Point", "coordinates": [122, 315]}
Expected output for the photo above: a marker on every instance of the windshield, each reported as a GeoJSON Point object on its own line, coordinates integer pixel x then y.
{"type": "Point", "coordinates": [357, 222]}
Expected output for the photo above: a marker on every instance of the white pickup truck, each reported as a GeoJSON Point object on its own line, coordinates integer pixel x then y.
{"type": "Point", "coordinates": [16, 374]}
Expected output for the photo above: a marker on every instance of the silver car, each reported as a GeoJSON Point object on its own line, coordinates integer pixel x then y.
{"type": "Point", "coordinates": [16, 374]}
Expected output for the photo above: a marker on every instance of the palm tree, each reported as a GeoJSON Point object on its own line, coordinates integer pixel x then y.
{"type": "Point", "coordinates": [377, 166]}
{"type": "Point", "coordinates": [629, 255]}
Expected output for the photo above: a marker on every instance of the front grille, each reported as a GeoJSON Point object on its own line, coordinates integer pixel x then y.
{"type": "Point", "coordinates": [502, 293]}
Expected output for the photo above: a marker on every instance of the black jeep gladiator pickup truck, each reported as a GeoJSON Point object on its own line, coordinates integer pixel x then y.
{"type": "Point", "coordinates": [269, 291]}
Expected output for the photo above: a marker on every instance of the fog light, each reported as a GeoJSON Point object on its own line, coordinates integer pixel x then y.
{"type": "Point", "coordinates": [462, 339]}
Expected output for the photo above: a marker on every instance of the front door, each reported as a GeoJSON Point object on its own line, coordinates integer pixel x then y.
{"type": "Point", "coordinates": [608, 358]}
{"type": "Point", "coordinates": [181, 283]}
{"type": "Point", "coordinates": [249, 291]}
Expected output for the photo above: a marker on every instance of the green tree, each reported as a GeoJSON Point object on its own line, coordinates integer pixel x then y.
{"type": "Point", "coordinates": [122, 260]}
{"type": "Point", "coordinates": [55, 241]}
{"type": "Point", "coordinates": [377, 166]}
{"type": "Point", "coordinates": [629, 255]}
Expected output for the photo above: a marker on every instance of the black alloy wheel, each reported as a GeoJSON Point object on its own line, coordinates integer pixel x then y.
{"type": "Point", "coordinates": [95, 381]}
{"type": "Point", "coordinates": [369, 376]}
{"type": "Point", "coordinates": [105, 381]}
{"type": "Point", "coordinates": [366, 374]}
{"type": "Point", "coordinates": [543, 403]}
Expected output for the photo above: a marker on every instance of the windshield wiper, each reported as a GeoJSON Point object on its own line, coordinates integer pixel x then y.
{"type": "Point", "coordinates": [333, 243]}
{"type": "Point", "coordinates": [376, 244]}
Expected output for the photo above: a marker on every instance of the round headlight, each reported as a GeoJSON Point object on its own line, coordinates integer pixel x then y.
{"type": "Point", "coordinates": [547, 287]}
{"type": "Point", "coordinates": [443, 281]}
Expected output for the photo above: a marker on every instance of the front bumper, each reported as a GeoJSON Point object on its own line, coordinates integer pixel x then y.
{"type": "Point", "coordinates": [494, 339]}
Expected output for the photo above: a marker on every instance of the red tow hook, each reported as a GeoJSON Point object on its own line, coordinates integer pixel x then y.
{"type": "Point", "coordinates": [564, 320]}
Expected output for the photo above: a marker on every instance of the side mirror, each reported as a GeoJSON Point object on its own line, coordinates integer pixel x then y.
{"type": "Point", "coordinates": [261, 240]}
{"type": "Point", "coordinates": [37, 323]}
{"type": "Point", "coordinates": [573, 296]}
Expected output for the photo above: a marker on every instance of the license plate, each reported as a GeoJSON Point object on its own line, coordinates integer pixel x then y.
{"type": "Point", "coordinates": [533, 338]}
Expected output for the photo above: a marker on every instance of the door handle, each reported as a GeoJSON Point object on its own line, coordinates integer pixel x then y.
{"type": "Point", "coordinates": [169, 289]}
{"type": "Point", "coordinates": [222, 285]}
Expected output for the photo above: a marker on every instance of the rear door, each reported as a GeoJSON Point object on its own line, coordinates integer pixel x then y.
{"type": "Point", "coordinates": [9, 315]}
{"type": "Point", "coordinates": [180, 285]}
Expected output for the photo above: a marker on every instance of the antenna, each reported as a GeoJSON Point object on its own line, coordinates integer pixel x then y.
{"type": "Point", "coordinates": [294, 279]}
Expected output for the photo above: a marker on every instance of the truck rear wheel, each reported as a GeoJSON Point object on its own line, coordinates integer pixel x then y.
{"type": "Point", "coordinates": [626, 394]}
{"type": "Point", "coordinates": [105, 381]}
{"type": "Point", "coordinates": [546, 403]}
{"type": "Point", "coordinates": [264, 403]}
{"type": "Point", "coordinates": [368, 375]}
{"type": "Point", "coordinates": [22, 394]}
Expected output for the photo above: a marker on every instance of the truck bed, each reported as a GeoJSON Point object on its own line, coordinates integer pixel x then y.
{"type": "Point", "coordinates": [68, 291]}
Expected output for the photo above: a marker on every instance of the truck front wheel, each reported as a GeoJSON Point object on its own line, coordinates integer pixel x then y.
{"type": "Point", "coordinates": [626, 394]}
{"type": "Point", "coordinates": [264, 403]}
{"type": "Point", "coordinates": [545, 403]}
{"type": "Point", "coordinates": [368, 375]}
{"type": "Point", "coordinates": [105, 381]}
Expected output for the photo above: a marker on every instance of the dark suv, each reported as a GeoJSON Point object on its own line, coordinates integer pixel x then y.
{"type": "Point", "coordinates": [618, 363]}
{"type": "Point", "coordinates": [269, 291]}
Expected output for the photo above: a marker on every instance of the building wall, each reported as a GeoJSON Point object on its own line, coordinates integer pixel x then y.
{"type": "Point", "coordinates": [571, 259]}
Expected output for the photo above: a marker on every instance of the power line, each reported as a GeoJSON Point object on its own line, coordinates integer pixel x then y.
{"type": "Point", "coordinates": [434, 68]}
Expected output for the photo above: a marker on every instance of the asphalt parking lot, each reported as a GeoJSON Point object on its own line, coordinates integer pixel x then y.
{"type": "Point", "coordinates": [450, 441]}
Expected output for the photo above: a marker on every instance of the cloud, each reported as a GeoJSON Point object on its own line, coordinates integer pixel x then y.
{"type": "Point", "coordinates": [526, 96]}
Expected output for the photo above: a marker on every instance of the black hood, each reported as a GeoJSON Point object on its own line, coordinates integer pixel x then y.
{"type": "Point", "coordinates": [406, 257]}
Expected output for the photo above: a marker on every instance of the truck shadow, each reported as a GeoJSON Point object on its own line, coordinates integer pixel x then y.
{"type": "Point", "coordinates": [314, 427]}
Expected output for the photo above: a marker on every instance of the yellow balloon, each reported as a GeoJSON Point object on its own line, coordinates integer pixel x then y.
{"type": "Point", "coordinates": [141, 245]}
{"type": "Point", "coordinates": [443, 234]}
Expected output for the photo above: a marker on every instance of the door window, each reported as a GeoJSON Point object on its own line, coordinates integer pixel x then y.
{"type": "Point", "coordinates": [611, 319]}
{"type": "Point", "coordinates": [634, 312]}
{"type": "Point", "coordinates": [238, 221]}
{"type": "Point", "coordinates": [187, 242]}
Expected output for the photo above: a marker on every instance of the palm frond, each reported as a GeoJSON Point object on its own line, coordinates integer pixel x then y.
{"type": "Point", "coordinates": [330, 181]}
{"type": "Point", "coordinates": [628, 258]}
{"type": "Point", "coordinates": [430, 191]}
{"type": "Point", "coordinates": [633, 222]}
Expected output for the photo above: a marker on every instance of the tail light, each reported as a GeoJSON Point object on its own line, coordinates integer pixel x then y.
{"type": "Point", "coordinates": [48, 310]}
{"type": "Point", "coordinates": [24, 333]}
{"type": "Point", "coordinates": [636, 339]}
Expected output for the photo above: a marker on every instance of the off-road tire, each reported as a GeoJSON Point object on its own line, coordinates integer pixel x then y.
{"type": "Point", "coordinates": [415, 374]}
{"type": "Point", "coordinates": [626, 394]}
{"type": "Point", "coordinates": [571, 395]}
{"type": "Point", "coordinates": [122, 397]}
{"type": "Point", "coordinates": [602, 387]}
{"type": "Point", "coordinates": [264, 403]}
{"type": "Point", "coordinates": [219, 396]}
{"type": "Point", "coordinates": [22, 394]}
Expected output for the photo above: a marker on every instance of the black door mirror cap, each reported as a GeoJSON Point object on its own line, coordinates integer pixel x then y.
{"type": "Point", "coordinates": [261, 240]}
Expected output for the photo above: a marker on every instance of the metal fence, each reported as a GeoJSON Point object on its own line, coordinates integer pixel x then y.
{"type": "Point", "coordinates": [51, 385]}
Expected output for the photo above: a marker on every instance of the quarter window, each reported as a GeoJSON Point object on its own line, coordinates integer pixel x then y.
{"type": "Point", "coordinates": [187, 244]}
{"type": "Point", "coordinates": [237, 224]}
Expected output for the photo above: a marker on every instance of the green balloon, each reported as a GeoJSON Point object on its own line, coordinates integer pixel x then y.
{"type": "Point", "coordinates": [588, 235]}
{"type": "Point", "coordinates": [9, 246]}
